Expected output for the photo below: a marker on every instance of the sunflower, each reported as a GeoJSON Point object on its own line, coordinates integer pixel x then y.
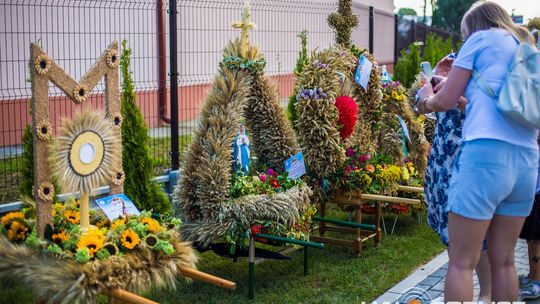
{"type": "Point", "coordinates": [73, 216]}
{"type": "Point", "coordinates": [60, 237]}
{"type": "Point", "coordinates": [153, 225]}
{"type": "Point", "coordinates": [130, 239]}
{"type": "Point", "coordinates": [6, 219]}
{"type": "Point", "coordinates": [94, 242]}
{"type": "Point", "coordinates": [56, 208]}
{"type": "Point", "coordinates": [119, 222]}
{"type": "Point", "coordinates": [17, 231]}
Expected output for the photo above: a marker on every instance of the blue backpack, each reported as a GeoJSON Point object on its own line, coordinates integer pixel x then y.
{"type": "Point", "coordinates": [520, 94]}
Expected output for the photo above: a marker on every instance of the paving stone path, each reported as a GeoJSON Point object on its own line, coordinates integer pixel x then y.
{"type": "Point", "coordinates": [428, 280]}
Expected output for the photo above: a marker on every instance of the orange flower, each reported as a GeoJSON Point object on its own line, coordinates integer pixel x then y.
{"type": "Point", "coordinates": [60, 237]}
{"type": "Point", "coordinates": [370, 168]}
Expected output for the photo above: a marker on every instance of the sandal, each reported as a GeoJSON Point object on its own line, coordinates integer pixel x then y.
{"type": "Point", "coordinates": [531, 291]}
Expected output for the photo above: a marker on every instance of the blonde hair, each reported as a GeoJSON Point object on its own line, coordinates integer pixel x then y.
{"type": "Point", "coordinates": [484, 15]}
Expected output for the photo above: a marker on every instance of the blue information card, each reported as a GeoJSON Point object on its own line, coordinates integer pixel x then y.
{"type": "Point", "coordinates": [363, 71]}
{"type": "Point", "coordinates": [295, 166]}
{"type": "Point", "coordinates": [404, 128]}
{"type": "Point", "coordinates": [117, 205]}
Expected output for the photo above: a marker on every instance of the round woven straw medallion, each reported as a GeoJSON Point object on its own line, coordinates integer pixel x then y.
{"type": "Point", "coordinates": [86, 153]}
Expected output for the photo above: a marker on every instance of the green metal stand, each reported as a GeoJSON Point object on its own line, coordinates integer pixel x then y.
{"type": "Point", "coordinates": [305, 261]}
{"type": "Point", "coordinates": [251, 275]}
{"type": "Point", "coordinates": [345, 223]}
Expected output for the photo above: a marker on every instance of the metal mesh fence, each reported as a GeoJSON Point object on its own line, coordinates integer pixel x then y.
{"type": "Point", "coordinates": [75, 32]}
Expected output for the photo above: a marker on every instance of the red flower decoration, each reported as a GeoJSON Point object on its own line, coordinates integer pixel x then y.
{"type": "Point", "coordinates": [348, 111]}
{"type": "Point", "coordinates": [348, 169]}
{"type": "Point", "coordinates": [274, 183]}
{"type": "Point", "coordinates": [256, 229]}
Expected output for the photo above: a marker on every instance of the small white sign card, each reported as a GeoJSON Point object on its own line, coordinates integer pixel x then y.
{"type": "Point", "coordinates": [117, 205]}
{"type": "Point", "coordinates": [295, 166]}
{"type": "Point", "coordinates": [404, 128]}
{"type": "Point", "coordinates": [363, 71]}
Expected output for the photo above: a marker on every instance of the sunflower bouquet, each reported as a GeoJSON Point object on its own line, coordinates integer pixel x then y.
{"type": "Point", "coordinates": [103, 240]}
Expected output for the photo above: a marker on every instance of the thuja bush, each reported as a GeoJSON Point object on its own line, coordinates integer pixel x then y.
{"type": "Point", "coordinates": [136, 160]}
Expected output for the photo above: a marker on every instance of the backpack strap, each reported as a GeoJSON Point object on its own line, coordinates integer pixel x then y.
{"type": "Point", "coordinates": [483, 84]}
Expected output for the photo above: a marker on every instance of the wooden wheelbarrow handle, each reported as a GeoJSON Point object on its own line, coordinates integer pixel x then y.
{"type": "Point", "coordinates": [208, 278]}
{"type": "Point", "coordinates": [126, 296]}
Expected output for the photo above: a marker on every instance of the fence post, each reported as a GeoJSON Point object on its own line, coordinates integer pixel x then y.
{"type": "Point", "coordinates": [175, 157]}
{"type": "Point", "coordinates": [413, 29]}
{"type": "Point", "coordinates": [396, 47]}
{"type": "Point", "coordinates": [371, 29]}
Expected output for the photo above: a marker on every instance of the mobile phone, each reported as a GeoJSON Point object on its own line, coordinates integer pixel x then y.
{"type": "Point", "coordinates": [425, 66]}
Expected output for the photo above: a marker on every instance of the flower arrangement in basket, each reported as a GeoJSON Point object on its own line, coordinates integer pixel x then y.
{"type": "Point", "coordinates": [267, 183]}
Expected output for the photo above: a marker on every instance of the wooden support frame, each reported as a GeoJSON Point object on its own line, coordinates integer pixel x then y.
{"type": "Point", "coordinates": [356, 199]}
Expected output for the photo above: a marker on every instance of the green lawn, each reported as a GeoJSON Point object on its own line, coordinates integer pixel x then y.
{"type": "Point", "coordinates": [335, 275]}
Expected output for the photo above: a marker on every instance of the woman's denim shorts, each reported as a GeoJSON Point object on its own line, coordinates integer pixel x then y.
{"type": "Point", "coordinates": [493, 177]}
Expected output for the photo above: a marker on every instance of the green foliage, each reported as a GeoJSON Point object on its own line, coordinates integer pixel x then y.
{"type": "Point", "coordinates": [302, 55]}
{"type": "Point", "coordinates": [435, 48]}
{"type": "Point", "coordinates": [406, 11]}
{"type": "Point", "coordinates": [136, 159]}
{"type": "Point", "coordinates": [447, 14]}
{"type": "Point", "coordinates": [408, 65]}
{"type": "Point", "coordinates": [242, 185]}
{"type": "Point", "coordinates": [27, 164]}
{"type": "Point", "coordinates": [301, 61]}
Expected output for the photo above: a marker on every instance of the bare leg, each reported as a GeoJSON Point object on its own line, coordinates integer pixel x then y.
{"type": "Point", "coordinates": [483, 271]}
{"type": "Point", "coordinates": [466, 237]}
{"type": "Point", "coordinates": [534, 259]}
{"type": "Point", "coordinates": [502, 235]}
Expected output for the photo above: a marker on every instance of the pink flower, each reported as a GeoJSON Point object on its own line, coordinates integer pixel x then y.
{"type": "Point", "coordinates": [349, 152]}
{"type": "Point", "coordinates": [364, 158]}
{"type": "Point", "coordinates": [262, 178]}
{"type": "Point", "coordinates": [270, 171]}
{"type": "Point", "coordinates": [348, 169]}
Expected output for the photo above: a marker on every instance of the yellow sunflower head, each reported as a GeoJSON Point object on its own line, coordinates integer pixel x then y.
{"type": "Point", "coordinates": [130, 239]}
{"type": "Point", "coordinates": [117, 223]}
{"type": "Point", "coordinates": [73, 216]}
{"type": "Point", "coordinates": [91, 241]}
{"type": "Point", "coordinates": [153, 225]}
{"type": "Point", "coordinates": [60, 237]}
{"type": "Point", "coordinates": [17, 231]}
{"type": "Point", "coordinates": [8, 218]}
